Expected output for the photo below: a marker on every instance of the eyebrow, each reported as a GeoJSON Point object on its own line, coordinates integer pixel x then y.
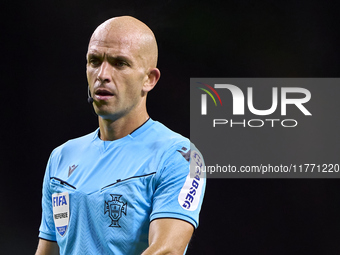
{"type": "Point", "coordinates": [121, 58]}
{"type": "Point", "coordinates": [95, 53]}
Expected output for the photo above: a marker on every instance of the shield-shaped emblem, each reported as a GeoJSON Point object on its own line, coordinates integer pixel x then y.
{"type": "Point", "coordinates": [115, 208]}
{"type": "Point", "coordinates": [115, 211]}
{"type": "Point", "coordinates": [61, 211]}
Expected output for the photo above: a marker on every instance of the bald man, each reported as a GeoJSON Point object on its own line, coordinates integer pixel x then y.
{"type": "Point", "coordinates": [124, 188]}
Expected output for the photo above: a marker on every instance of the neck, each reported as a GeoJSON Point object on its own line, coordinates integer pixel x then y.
{"type": "Point", "coordinates": [115, 129]}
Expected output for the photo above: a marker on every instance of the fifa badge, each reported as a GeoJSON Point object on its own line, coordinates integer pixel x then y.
{"type": "Point", "coordinates": [61, 211]}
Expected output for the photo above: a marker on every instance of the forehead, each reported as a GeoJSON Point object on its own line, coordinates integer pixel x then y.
{"type": "Point", "coordinates": [115, 42]}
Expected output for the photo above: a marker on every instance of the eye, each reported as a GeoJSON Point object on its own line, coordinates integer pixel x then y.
{"type": "Point", "coordinates": [94, 62]}
{"type": "Point", "coordinates": [120, 63]}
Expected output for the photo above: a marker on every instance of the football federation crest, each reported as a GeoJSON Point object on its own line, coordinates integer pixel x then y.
{"type": "Point", "coordinates": [61, 211]}
{"type": "Point", "coordinates": [115, 208]}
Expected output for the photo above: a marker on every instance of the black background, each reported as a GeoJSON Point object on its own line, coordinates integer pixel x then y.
{"type": "Point", "coordinates": [43, 104]}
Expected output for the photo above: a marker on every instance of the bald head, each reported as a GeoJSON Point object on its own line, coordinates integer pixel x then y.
{"type": "Point", "coordinates": [130, 32]}
{"type": "Point", "coordinates": [121, 69]}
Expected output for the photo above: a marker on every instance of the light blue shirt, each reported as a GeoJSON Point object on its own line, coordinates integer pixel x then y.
{"type": "Point", "coordinates": [99, 197]}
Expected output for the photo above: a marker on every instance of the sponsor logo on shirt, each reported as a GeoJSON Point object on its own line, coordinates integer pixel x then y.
{"type": "Point", "coordinates": [61, 211]}
{"type": "Point", "coordinates": [191, 191]}
{"type": "Point", "coordinates": [71, 169]}
{"type": "Point", "coordinates": [185, 153]}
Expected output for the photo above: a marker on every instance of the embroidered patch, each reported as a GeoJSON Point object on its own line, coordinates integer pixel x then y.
{"type": "Point", "coordinates": [116, 209]}
{"type": "Point", "coordinates": [61, 211]}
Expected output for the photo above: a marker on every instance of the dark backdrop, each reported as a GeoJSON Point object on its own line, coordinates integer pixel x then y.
{"type": "Point", "coordinates": [44, 104]}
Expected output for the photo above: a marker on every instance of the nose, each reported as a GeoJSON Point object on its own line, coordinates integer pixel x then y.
{"type": "Point", "coordinates": [104, 72]}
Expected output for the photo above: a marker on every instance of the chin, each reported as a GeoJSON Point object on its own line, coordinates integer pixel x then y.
{"type": "Point", "coordinates": [110, 116]}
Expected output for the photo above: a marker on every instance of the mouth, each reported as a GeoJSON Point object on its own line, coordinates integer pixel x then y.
{"type": "Point", "coordinates": [103, 94]}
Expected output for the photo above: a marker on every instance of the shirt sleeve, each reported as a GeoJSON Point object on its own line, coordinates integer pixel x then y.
{"type": "Point", "coordinates": [180, 186]}
{"type": "Point", "coordinates": [47, 227]}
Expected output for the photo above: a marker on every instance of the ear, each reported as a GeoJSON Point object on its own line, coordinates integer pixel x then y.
{"type": "Point", "coordinates": [152, 78]}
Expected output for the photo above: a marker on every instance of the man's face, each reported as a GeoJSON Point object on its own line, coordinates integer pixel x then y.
{"type": "Point", "coordinates": [116, 71]}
